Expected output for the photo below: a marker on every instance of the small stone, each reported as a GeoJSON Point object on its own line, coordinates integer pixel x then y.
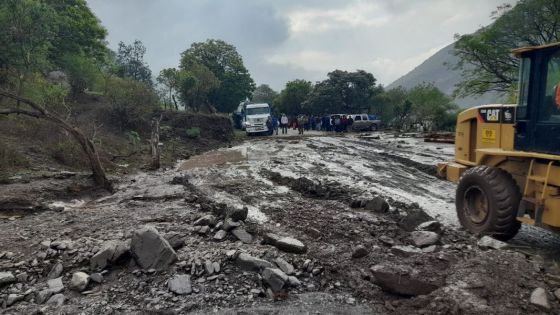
{"type": "Point", "coordinates": [57, 299]}
{"type": "Point", "coordinates": [250, 263]}
{"type": "Point", "coordinates": [206, 220]}
{"type": "Point", "coordinates": [209, 267]}
{"type": "Point", "coordinates": [377, 204]}
{"type": "Point", "coordinates": [293, 281]}
{"type": "Point", "coordinates": [557, 294]}
{"type": "Point", "coordinates": [489, 242]}
{"type": "Point", "coordinates": [203, 230]}
{"type": "Point", "coordinates": [231, 253]}
{"type": "Point", "coordinates": [55, 285]}
{"type": "Point", "coordinates": [430, 249]}
{"type": "Point", "coordinates": [180, 284]}
{"type": "Point", "coordinates": [424, 238]}
{"type": "Point", "coordinates": [386, 240]}
{"type": "Point", "coordinates": [285, 266]}
{"type": "Point", "coordinates": [56, 271]}
{"type": "Point", "coordinates": [274, 278]}
{"type": "Point", "coordinates": [229, 224]}
{"type": "Point", "coordinates": [43, 296]}
{"type": "Point", "coordinates": [79, 281]}
{"type": "Point", "coordinates": [96, 277]}
{"type": "Point", "coordinates": [175, 240]}
{"type": "Point", "coordinates": [216, 266]}
{"type": "Point", "coordinates": [13, 298]}
{"type": "Point", "coordinates": [539, 298]}
{"type": "Point", "coordinates": [291, 245]}
{"type": "Point", "coordinates": [242, 235]}
{"type": "Point", "coordinates": [359, 252]}
{"type": "Point", "coordinates": [405, 251]}
{"type": "Point", "coordinates": [110, 252]}
{"type": "Point", "coordinates": [6, 278]}
{"type": "Point", "coordinates": [402, 280]}
{"type": "Point", "coordinates": [220, 235]}
{"type": "Point", "coordinates": [432, 226]}
{"type": "Point", "coordinates": [239, 214]}
{"type": "Point", "coordinates": [22, 277]}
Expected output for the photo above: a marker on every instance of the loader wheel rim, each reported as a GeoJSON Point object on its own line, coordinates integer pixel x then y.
{"type": "Point", "coordinates": [476, 205]}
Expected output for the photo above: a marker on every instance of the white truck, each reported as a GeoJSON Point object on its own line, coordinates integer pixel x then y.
{"type": "Point", "coordinates": [255, 117]}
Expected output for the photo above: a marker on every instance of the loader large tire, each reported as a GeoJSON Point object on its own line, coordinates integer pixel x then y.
{"type": "Point", "coordinates": [487, 200]}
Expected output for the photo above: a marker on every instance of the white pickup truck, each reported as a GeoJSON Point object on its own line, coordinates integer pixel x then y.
{"type": "Point", "coordinates": [255, 117]}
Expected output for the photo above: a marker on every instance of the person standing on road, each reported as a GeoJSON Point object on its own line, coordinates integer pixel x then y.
{"type": "Point", "coordinates": [337, 123]}
{"type": "Point", "coordinates": [269, 125]}
{"type": "Point", "coordinates": [275, 124]}
{"type": "Point", "coordinates": [284, 124]}
{"type": "Point", "coordinates": [343, 123]}
{"type": "Point", "coordinates": [350, 123]}
{"type": "Point", "coordinates": [300, 123]}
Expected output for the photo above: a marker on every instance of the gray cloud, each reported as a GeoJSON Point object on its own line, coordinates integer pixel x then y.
{"type": "Point", "coordinates": [285, 40]}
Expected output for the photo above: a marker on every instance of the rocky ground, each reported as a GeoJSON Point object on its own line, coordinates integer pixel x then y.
{"type": "Point", "coordinates": [354, 224]}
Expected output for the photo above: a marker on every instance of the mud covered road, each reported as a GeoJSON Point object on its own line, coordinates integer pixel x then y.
{"type": "Point", "coordinates": [354, 224]}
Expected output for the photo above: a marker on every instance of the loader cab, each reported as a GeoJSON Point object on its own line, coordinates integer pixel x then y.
{"type": "Point", "coordinates": [538, 112]}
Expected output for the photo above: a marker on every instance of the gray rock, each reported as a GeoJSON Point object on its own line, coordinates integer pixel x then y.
{"type": "Point", "coordinates": [220, 235]}
{"type": "Point", "coordinates": [206, 220]}
{"type": "Point", "coordinates": [413, 218]}
{"type": "Point", "coordinates": [180, 284]}
{"type": "Point", "coordinates": [539, 298]}
{"type": "Point", "coordinates": [175, 240]}
{"type": "Point", "coordinates": [203, 230]}
{"type": "Point", "coordinates": [401, 280]}
{"type": "Point", "coordinates": [250, 263]}
{"type": "Point", "coordinates": [293, 281]}
{"type": "Point", "coordinates": [430, 249]}
{"type": "Point", "coordinates": [239, 214]}
{"type": "Point", "coordinates": [56, 271]}
{"type": "Point", "coordinates": [6, 278]}
{"type": "Point", "coordinates": [432, 226]}
{"type": "Point", "coordinates": [209, 267]}
{"type": "Point", "coordinates": [57, 299]}
{"type": "Point", "coordinates": [111, 252]}
{"type": "Point", "coordinates": [43, 295]}
{"type": "Point", "coordinates": [405, 251]}
{"type": "Point", "coordinates": [359, 252]}
{"type": "Point", "coordinates": [22, 277]}
{"type": "Point", "coordinates": [285, 266]}
{"type": "Point", "coordinates": [216, 266]}
{"type": "Point", "coordinates": [377, 204]}
{"type": "Point", "coordinates": [274, 278]}
{"type": "Point", "coordinates": [242, 235]}
{"type": "Point", "coordinates": [79, 281]}
{"type": "Point", "coordinates": [13, 298]}
{"type": "Point", "coordinates": [55, 285]}
{"type": "Point", "coordinates": [424, 238]}
{"type": "Point", "coordinates": [271, 239]}
{"type": "Point", "coordinates": [557, 294]}
{"type": "Point", "coordinates": [386, 240]}
{"type": "Point", "coordinates": [229, 224]}
{"type": "Point", "coordinates": [96, 277]}
{"type": "Point", "coordinates": [151, 250]}
{"type": "Point", "coordinates": [291, 245]}
{"type": "Point", "coordinates": [489, 242]}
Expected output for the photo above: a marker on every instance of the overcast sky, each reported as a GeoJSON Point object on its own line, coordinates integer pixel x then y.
{"type": "Point", "coordinates": [282, 40]}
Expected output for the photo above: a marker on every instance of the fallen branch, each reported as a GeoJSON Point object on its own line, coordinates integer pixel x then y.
{"type": "Point", "coordinates": [87, 145]}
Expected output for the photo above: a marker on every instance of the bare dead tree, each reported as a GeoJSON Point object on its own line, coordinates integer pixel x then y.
{"type": "Point", "coordinates": [38, 111]}
{"type": "Point", "coordinates": [154, 143]}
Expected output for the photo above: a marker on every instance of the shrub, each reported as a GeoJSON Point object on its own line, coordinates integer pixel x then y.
{"type": "Point", "coordinates": [193, 133]}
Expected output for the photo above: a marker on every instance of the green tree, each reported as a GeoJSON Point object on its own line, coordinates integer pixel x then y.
{"type": "Point", "coordinates": [486, 62]}
{"type": "Point", "coordinates": [430, 105]}
{"type": "Point", "coordinates": [344, 92]}
{"type": "Point", "coordinates": [130, 59]}
{"type": "Point", "coordinates": [197, 83]}
{"type": "Point", "coordinates": [264, 94]}
{"type": "Point", "coordinates": [293, 96]}
{"type": "Point", "coordinates": [169, 78]}
{"type": "Point", "coordinates": [28, 29]}
{"type": "Point", "coordinates": [223, 60]}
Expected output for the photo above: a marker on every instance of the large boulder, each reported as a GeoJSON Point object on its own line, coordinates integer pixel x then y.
{"type": "Point", "coordinates": [111, 252]}
{"type": "Point", "coordinates": [242, 235]}
{"type": "Point", "coordinates": [79, 281]}
{"type": "Point", "coordinates": [402, 280]}
{"type": "Point", "coordinates": [377, 204]}
{"type": "Point", "coordinates": [413, 218]}
{"type": "Point", "coordinates": [56, 271]}
{"type": "Point", "coordinates": [238, 214]}
{"type": "Point", "coordinates": [424, 238]}
{"type": "Point", "coordinates": [539, 297]}
{"type": "Point", "coordinates": [250, 263]}
{"type": "Point", "coordinates": [55, 285]}
{"type": "Point", "coordinates": [151, 250]}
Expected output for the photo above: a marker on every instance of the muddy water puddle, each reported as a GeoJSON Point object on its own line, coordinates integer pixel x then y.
{"type": "Point", "coordinates": [214, 158]}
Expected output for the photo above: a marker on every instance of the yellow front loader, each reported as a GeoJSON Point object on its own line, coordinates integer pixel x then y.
{"type": "Point", "coordinates": [507, 157]}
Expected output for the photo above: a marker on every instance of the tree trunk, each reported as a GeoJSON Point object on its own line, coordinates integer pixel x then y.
{"type": "Point", "coordinates": [174, 101]}
{"type": "Point", "coordinates": [154, 144]}
{"type": "Point", "coordinates": [87, 145]}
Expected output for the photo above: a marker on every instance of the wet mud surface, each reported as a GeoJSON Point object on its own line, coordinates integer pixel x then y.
{"type": "Point", "coordinates": [318, 190]}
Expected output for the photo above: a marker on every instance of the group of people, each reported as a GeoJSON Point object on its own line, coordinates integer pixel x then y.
{"type": "Point", "coordinates": [335, 123]}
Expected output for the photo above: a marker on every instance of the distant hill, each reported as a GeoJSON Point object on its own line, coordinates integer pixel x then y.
{"type": "Point", "coordinates": [436, 70]}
